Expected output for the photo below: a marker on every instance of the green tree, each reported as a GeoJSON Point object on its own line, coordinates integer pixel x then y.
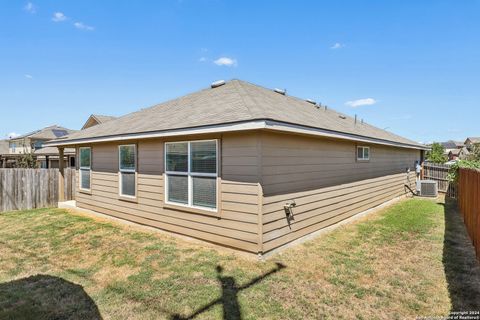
{"type": "Point", "coordinates": [436, 155]}
{"type": "Point", "coordinates": [27, 160]}
{"type": "Point", "coordinates": [474, 153]}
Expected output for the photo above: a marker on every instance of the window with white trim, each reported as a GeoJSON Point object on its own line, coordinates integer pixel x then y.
{"type": "Point", "coordinates": [85, 167]}
{"type": "Point", "coordinates": [191, 173]}
{"type": "Point", "coordinates": [127, 164]}
{"type": "Point", "coordinates": [363, 153]}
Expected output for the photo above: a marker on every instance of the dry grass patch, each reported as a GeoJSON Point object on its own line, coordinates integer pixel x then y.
{"type": "Point", "coordinates": [394, 264]}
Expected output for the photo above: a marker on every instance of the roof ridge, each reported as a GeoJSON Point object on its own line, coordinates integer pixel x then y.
{"type": "Point", "coordinates": [235, 101]}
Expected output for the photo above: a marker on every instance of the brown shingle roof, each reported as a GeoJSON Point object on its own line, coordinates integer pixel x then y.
{"type": "Point", "coordinates": [102, 119]}
{"type": "Point", "coordinates": [96, 119]}
{"type": "Point", "coordinates": [236, 101]}
{"type": "Point", "coordinates": [53, 151]}
{"type": "Point", "coordinates": [474, 139]}
{"type": "Point", "coordinates": [47, 133]}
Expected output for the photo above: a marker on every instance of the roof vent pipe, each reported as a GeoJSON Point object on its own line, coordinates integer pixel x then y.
{"type": "Point", "coordinates": [217, 84]}
{"type": "Point", "coordinates": [311, 101]}
{"type": "Point", "coordinates": [281, 91]}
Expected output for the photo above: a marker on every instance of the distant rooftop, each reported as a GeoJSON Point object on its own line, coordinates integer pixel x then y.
{"type": "Point", "coordinates": [47, 133]}
{"type": "Point", "coordinates": [96, 119]}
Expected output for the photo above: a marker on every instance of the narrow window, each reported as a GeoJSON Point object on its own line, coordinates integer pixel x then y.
{"type": "Point", "coordinates": [85, 167]}
{"type": "Point", "coordinates": [191, 173]}
{"type": "Point", "coordinates": [363, 153]}
{"type": "Point", "coordinates": [127, 167]}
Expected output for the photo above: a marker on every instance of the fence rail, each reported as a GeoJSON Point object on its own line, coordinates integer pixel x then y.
{"type": "Point", "coordinates": [439, 173]}
{"type": "Point", "coordinates": [22, 189]}
{"type": "Point", "coordinates": [469, 203]}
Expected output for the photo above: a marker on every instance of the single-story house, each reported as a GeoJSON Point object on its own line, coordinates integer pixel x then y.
{"type": "Point", "coordinates": [239, 165]}
{"type": "Point", "coordinates": [96, 119]}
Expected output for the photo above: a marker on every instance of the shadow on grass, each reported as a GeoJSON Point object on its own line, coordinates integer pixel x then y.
{"type": "Point", "coordinates": [229, 299]}
{"type": "Point", "coordinates": [462, 269]}
{"type": "Point", "coordinates": [45, 297]}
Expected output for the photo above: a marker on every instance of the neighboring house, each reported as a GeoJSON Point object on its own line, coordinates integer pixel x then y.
{"type": "Point", "coordinates": [458, 154]}
{"type": "Point", "coordinates": [3, 150]}
{"type": "Point", "coordinates": [96, 119]}
{"type": "Point", "coordinates": [33, 142]}
{"type": "Point", "coordinates": [451, 146]}
{"type": "Point", "coordinates": [470, 141]}
{"type": "Point", "coordinates": [239, 165]}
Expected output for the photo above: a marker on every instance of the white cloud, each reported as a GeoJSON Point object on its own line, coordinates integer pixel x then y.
{"type": "Point", "coordinates": [28, 76]}
{"type": "Point", "coordinates": [82, 26]}
{"type": "Point", "coordinates": [30, 8]}
{"type": "Point", "coordinates": [361, 102]}
{"type": "Point", "coordinates": [202, 59]}
{"type": "Point", "coordinates": [12, 135]}
{"type": "Point", "coordinates": [225, 61]}
{"type": "Point", "coordinates": [59, 17]}
{"type": "Point", "coordinates": [337, 45]}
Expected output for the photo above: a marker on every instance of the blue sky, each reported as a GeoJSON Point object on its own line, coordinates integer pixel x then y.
{"type": "Point", "coordinates": [412, 67]}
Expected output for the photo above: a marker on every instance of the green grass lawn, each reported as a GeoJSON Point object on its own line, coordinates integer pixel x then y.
{"type": "Point", "coordinates": [411, 259]}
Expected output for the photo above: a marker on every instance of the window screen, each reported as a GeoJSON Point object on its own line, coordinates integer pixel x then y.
{"type": "Point", "coordinates": [363, 153]}
{"type": "Point", "coordinates": [127, 157]}
{"type": "Point", "coordinates": [85, 157]}
{"type": "Point", "coordinates": [85, 179]}
{"type": "Point", "coordinates": [128, 183]}
{"type": "Point", "coordinates": [204, 157]}
{"type": "Point", "coordinates": [127, 165]}
{"type": "Point", "coordinates": [178, 189]}
{"type": "Point", "coordinates": [85, 167]}
{"type": "Point", "coordinates": [204, 192]}
{"type": "Point", "coordinates": [177, 157]}
{"type": "Point", "coordinates": [191, 170]}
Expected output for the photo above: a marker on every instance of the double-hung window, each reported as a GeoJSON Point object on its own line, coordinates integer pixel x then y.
{"type": "Point", "coordinates": [363, 153]}
{"type": "Point", "coordinates": [85, 167]}
{"type": "Point", "coordinates": [191, 173]}
{"type": "Point", "coordinates": [127, 159]}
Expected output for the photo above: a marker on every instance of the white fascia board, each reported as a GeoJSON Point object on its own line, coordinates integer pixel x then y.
{"type": "Point", "coordinates": [229, 127]}
{"type": "Point", "coordinates": [285, 127]}
{"type": "Point", "coordinates": [251, 125]}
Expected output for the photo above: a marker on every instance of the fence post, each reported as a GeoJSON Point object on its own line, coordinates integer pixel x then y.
{"type": "Point", "coordinates": [61, 176]}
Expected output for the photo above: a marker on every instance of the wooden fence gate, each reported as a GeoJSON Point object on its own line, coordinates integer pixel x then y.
{"type": "Point", "coordinates": [22, 189]}
{"type": "Point", "coordinates": [439, 173]}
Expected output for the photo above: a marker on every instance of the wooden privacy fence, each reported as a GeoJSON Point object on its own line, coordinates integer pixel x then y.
{"type": "Point", "coordinates": [69, 183]}
{"type": "Point", "coordinates": [22, 189]}
{"type": "Point", "coordinates": [439, 173]}
{"type": "Point", "coordinates": [469, 203]}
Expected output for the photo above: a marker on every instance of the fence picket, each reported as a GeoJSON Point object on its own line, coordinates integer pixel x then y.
{"type": "Point", "coordinates": [22, 189]}
{"type": "Point", "coordinates": [469, 203]}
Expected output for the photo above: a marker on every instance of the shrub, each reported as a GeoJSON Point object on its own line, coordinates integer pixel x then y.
{"type": "Point", "coordinates": [453, 171]}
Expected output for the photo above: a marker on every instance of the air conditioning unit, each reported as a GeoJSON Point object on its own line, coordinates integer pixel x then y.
{"type": "Point", "coordinates": [427, 188]}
